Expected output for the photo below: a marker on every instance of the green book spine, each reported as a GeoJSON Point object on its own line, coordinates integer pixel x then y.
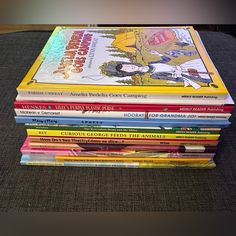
{"type": "Point", "coordinates": [176, 130]}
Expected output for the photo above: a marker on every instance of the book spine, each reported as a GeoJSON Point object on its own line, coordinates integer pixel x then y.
{"type": "Point", "coordinates": [118, 150]}
{"type": "Point", "coordinates": [160, 148]}
{"type": "Point", "coordinates": [35, 132]}
{"type": "Point", "coordinates": [177, 130]}
{"type": "Point", "coordinates": [209, 165]}
{"type": "Point", "coordinates": [120, 107]}
{"type": "Point", "coordinates": [107, 147]}
{"type": "Point", "coordinates": [53, 145]}
{"type": "Point", "coordinates": [136, 159]}
{"type": "Point", "coordinates": [112, 154]}
{"type": "Point", "coordinates": [27, 161]}
{"type": "Point", "coordinates": [121, 122]}
{"type": "Point", "coordinates": [125, 115]}
{"type": "Point", "coordinates": [122, 147]}
{"type": "Point", "coordinates": [77, 141]}
{"type": "Point", "coordinates": [93, 97]}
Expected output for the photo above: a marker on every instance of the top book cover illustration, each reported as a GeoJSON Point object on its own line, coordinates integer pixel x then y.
{"type": "Point", "coordinates": [147, 60]}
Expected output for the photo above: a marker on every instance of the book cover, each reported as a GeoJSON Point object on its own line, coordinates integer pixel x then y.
{"type": "Point", "coordinates": [124, 62]}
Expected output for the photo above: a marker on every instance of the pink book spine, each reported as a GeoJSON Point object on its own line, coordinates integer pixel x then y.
{"type": "Point", "coordinates": [26, 149]}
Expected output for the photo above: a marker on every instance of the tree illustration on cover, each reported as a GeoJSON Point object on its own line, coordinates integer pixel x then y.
{"type": "Point", "coordinates": [166, 57]}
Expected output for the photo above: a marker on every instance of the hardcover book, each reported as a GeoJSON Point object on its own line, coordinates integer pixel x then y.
{"type": "Point", "coordinates": [124, 63]}
{"type": "Point", "coordinates": [101, 107]}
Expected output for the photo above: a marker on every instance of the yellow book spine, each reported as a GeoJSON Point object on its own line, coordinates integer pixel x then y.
{"type": "Point", "coordinates": [136, 159]}
{"type": "Point", "coordinates": [69, 133]}
{"type": "Point", "coordinates": [42, 163]}
{"type": "Point", "coordinates": [209, 165]}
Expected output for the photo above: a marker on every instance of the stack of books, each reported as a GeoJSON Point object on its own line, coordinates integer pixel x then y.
{"type": "Point", "coordinates": [146, 97]}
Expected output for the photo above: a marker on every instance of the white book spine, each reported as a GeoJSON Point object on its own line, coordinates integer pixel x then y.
{"type": "Point", "coordinates": [126, 115]}
{"type": "Point", "coordinates": [126, 98]}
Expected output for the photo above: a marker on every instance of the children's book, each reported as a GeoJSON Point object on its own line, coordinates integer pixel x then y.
{"type": "Point", "coordinates": [112, 151]}
{"type": "Point", "coordinates": [75, 142]}
{"type": "Point", "coordinates": [42, 160]}
{"type": "Point", "coordinates": [72, 106]}
{"type": "Point", "coordinates": [124, 63]}
{"type": "Point", "coordinates": [116, 122]}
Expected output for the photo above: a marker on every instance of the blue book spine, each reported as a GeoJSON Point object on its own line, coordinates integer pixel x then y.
{"type": "Point", "coordinates": [120, 122]}
{"type": "Point", "coordinates": [31, 160]}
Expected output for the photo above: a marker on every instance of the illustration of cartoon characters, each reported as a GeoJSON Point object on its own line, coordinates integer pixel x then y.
{"type": "Point", "coordinates": [190, 73]}
{"type": "Point", "coordinates": [177, 53]}
{"type": "Point", "coordinates": [174, 53]}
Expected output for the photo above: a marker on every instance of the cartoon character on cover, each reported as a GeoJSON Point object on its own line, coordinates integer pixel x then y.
{"type": "Point", "coordinates": [175, 53]}
{"type": "Point", "coordinates": [190, 72]}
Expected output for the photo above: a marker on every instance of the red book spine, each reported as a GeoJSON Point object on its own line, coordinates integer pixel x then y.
{"type": "Point", "coordinates": [122, 107]}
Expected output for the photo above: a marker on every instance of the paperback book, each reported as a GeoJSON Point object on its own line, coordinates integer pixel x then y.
{"type": "Point", "coordinates": [115, 122]}
{"type": "Point", "coordinates": [42, 141]}
{"type": "Point", "coordinates": [123, 135]}
{"type": "Point", "coordinates": [173, 130]}
{"type": "Point", "coordinates": [42, 160]}
{"type": "Point", "coordinates": [123, 115]}
{"type": "Point", "coordinates": [36, 105]}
